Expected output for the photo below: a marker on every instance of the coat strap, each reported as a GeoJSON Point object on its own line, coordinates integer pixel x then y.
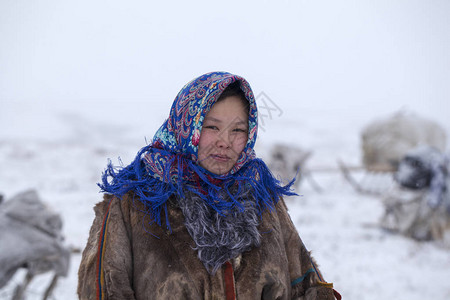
{"type": "Point", "coordinates": [322, 282]}
{"type": "Point", "coordinates": [230, 291]}
{"type": "Point", "coordinates": [337, 295]}
{"type": "Point", "coordinates": [100, 255]}
{"type": "Point", "coordinates": [301, 278]}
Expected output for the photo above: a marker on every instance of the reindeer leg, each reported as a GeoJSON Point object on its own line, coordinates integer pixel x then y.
{"type": "Point", "coordinates": [19, 291]}
{"type": "Point", "coordinates": [313, 183]}
{"type": "Point", "coordinates": [51, 287]}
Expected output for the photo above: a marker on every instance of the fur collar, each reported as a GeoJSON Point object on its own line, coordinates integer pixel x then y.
{"type": "Point", "coordinates": [221, 237]}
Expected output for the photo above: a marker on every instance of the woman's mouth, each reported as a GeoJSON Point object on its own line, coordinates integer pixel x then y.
{"type": "Point", "coordinates": [220, 158]}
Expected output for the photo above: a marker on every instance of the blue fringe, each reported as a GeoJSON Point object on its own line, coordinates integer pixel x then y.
{"type": "Point", "coordinates": [154, 192]}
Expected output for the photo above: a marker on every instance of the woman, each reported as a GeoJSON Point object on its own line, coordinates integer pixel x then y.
{"type": "Point", "coordinates": [196, 215]}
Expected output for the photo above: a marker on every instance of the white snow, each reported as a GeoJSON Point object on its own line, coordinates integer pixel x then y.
{"type": "Point", "coordinates": [82, 81]}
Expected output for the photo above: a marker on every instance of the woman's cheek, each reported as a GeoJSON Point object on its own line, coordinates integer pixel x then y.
{"type": "Point", "coordinates": [241, 142]}
{"type": "Point", "coordinates": [205, 139]}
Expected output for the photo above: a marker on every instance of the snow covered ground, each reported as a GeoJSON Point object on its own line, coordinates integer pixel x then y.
{"type": "Point", "coordinates": [61, 152]}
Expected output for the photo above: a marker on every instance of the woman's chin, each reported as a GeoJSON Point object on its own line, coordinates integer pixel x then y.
{"type": "Point", "coordinates": [218, 168]}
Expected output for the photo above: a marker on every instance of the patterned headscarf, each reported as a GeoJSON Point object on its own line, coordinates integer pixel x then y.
{"type": "Point", "coordinates": [169, 165]}
{"type": "Point", "coordinates": [180, 133]}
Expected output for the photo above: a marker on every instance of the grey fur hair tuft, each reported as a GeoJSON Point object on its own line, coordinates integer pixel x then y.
{"type": "Point", "coordinates": [220, 238]}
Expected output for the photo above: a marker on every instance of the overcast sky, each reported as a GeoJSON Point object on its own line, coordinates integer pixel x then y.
{"type": "Point", "coordinates": [331, 56]}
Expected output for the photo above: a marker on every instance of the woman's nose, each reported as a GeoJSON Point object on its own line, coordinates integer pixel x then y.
{"type": "Point", "coordinates": [223, 141]}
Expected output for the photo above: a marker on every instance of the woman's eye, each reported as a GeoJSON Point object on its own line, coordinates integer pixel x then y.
{"type": "Point", "coordinates": [211, 127]}
{"type": "Point", "coordinates": [239, 130]}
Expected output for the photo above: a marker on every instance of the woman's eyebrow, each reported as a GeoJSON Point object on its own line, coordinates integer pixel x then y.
{"type": "Point", "coordinates": [241, 122]}
{"type": "Point", "coordinates": [212, 119]}
{"type": "Point", "coordinates": [236, 121]}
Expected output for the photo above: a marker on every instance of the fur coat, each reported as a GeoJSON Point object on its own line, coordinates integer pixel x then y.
{"type": "Point", "coordinates": [129, 257]}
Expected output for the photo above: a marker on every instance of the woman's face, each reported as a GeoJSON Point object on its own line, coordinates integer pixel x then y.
{"type": "Point", "coordinates": [224, 135]}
